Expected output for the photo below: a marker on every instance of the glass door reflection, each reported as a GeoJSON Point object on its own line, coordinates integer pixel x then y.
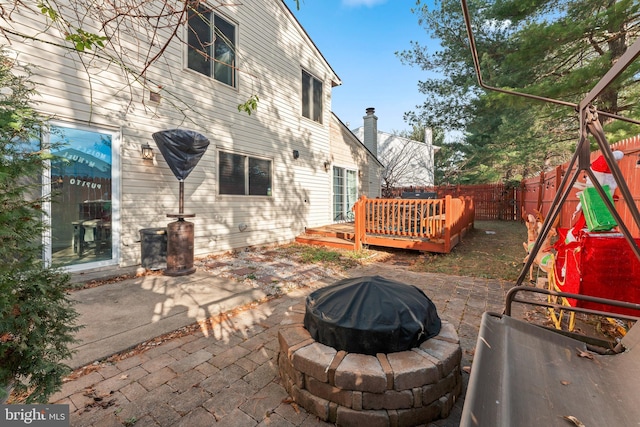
{"type": "Point", "coordinates": [81, 208]}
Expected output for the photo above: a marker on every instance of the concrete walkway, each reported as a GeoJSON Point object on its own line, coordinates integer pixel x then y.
{"type": "Point", "coordinates": [121, 315]}
{"type": "Point", "coordinates": [223, 373]}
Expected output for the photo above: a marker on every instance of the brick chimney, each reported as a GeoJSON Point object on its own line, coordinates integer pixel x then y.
{"type": "Point", "coordinates": [370, 138]}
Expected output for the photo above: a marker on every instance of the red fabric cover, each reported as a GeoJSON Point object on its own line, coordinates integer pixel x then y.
{"type": "Point", "coordinates": [600, 265]}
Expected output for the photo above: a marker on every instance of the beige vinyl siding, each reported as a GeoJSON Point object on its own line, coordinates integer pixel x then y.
{"type": "Point", "coordinates": [272, 50]}
{"type": "Point", "coordinates": [348, 152]}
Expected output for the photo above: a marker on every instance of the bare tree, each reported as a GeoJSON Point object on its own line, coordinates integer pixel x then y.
{"type": "Point", "coordinates": [407, 163]}
{"type": "Point", "coordinates": [408, 158]}
{"type": "Point", "coordinates": [129, 36]}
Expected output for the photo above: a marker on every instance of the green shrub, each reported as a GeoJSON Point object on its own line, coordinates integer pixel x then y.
{"type": "Point", "coordinates": [36, 316]}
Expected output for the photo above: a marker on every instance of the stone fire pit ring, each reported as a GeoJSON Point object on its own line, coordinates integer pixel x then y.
{"type": "Point", "coordinates": [405, 388]}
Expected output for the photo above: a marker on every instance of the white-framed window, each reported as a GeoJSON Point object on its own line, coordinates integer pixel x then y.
{"type": "Point", "coordinates": [83, 181]}
{"type": "Point", "coordinates": [311, 97]}
{"type": "Point", "coordinates": [244, 175]}
{"type": "Point", "coordinates": [211, 44]}
{"type": "Point", "coordinates": [345, 193]}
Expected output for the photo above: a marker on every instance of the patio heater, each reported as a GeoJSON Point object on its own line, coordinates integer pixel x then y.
{"type": "Point", "coordinates": [182, 150]}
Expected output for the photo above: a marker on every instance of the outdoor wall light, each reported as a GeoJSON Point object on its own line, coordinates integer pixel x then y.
{"type": "Point", "coordinates": [327, 165]}
{"type": "Point", "coordinates": [147, 152]}
{"type": "Point", "coordinates": [296, 154]}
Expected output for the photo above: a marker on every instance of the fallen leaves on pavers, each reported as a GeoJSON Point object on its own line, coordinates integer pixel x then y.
{"type": "Point", "coordinates": [276, 272]}
{"type": "Point", "coordinates": [535, 315]}
{"type": "Point", "coordinates": [293, 404]}
{"type": "Point", "coordinates": [81, 372]}
{"type": "Point", "coordinates": [574, 420]}
{"type": "Point", "coordinates": [614, 328]}
{"type": "Point", "coordinates": [97, 401]}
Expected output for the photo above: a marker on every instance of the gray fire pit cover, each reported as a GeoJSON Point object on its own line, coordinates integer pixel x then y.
{"type": "Point", "coordinates": [181, 149]}
{"type": "Point", "coordinates": [370, 315]}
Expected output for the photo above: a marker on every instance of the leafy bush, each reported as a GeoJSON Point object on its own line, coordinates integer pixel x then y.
{"type": "Point", "coordinates": [36, 316]}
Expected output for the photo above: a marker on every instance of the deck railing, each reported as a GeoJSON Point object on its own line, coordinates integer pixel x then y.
{"type": "Point", "coordinates": [439, 221]}
{"type": "Point", "coordinates": [460, 213]}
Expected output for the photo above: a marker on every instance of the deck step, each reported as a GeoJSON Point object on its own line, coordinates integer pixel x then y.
{"type": "Point", "coordinates": [329, 241]}
{"type": "Point", "coordinates": [346, 234]}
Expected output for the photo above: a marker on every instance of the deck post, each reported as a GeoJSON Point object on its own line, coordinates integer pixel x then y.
{"type": "Point", "coordinates": [359, 222]}
{"type": "Point", "coordinates": [448, 221]}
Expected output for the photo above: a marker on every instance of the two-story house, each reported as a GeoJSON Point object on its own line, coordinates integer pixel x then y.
{"type": "Point", "coordinates": [265, 176]}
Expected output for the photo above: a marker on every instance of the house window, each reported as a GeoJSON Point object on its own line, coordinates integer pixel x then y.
{"type": "Point", "coordinates": [243, 175]}
{"type": "Point", "coordinates": [345, 193]}
{"type": "Point", "coordinates": [212, 46]}
{"type": "Point", "coordinates": [311, 97]}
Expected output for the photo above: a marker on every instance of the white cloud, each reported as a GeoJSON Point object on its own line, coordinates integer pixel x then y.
{"type": "Point", "coordinates": [367, 3]}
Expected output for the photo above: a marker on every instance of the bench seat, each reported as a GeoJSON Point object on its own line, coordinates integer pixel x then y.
{"type": "Point", "coordinates": [527, 375]}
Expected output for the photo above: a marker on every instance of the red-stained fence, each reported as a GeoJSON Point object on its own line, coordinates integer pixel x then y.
{"type": "Point", "coordinates": [501, 202]}
{"type": "Point", "coordinates": [538, 192]}
{"type": "Point", "coordinates": [491, 201]}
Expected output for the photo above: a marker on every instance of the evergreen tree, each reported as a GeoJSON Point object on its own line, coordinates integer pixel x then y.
{"type": "Point", "coordinates": [555, 49]}
{"type": "Point", "coordinates": [36, 316]}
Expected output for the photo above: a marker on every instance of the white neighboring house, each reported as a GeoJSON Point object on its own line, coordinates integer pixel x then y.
{"type": "Point", "coordinates": [355, 171]}
{"type": "Point", "coordinates": [406, 162]}
{"type": "Point", "coordinates": [264, 177]}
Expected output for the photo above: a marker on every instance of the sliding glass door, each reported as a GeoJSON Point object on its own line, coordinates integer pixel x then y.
{"type": "Point", "coordinates": [345, 193]}
{"type": "Point", "coordinates": [83, 205]}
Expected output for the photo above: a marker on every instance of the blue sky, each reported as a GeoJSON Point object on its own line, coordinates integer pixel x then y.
{"type": "Point", "coordinates": [359, 39]}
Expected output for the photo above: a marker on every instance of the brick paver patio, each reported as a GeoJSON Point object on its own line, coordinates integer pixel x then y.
{"type": "Point", "coordinates": [228, 375]}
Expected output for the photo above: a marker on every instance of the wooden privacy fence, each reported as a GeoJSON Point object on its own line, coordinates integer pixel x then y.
{"type": "Point", "coordinates": [434, 225]}
{"type": "Point", "coordinates": [538, 192]}
{"type": "Point", "coordinates": [491, 201]}
{"type": "Point", "coordinates": [502, 202]}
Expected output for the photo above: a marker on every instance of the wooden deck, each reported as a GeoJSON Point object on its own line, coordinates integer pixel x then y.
{"type": "Point", "coordinates": [424, 225]}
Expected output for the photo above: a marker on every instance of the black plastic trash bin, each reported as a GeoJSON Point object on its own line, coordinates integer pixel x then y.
{"type": "Point", "coordinates": [153, 248]}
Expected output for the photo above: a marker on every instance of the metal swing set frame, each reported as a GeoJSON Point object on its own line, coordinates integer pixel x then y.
{"type": "Point", "coordinates": [525, 374]}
